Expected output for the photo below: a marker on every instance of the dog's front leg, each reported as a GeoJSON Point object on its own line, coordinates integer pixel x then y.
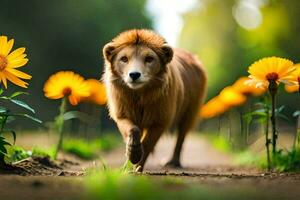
{"type": "Point", "coordinates": [132, 135]}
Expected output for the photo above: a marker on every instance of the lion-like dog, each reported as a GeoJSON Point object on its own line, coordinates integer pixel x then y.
{"type": "Point", "coordinates": [151, 88]}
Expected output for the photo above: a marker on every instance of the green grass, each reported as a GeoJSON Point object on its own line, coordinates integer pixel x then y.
{"type": "Point", "coordinates": [288, 160]}
{"type": "Point", "coordinates": [38, 151]}
{"type": "Point", "coordinates": [248, 158]}
{"type": "Point", "coordinates": [90, 149]}
{"type": "Point", "coordinates": [219, 142]}
{"type": "Point", "coordinates": [113, 184]}
{"type": "Point", "coordinates": [82, 148]}
{"type": "Point", "coordinates": [16, 153]}
{"type": "Point", "coordinates": [284, 161]}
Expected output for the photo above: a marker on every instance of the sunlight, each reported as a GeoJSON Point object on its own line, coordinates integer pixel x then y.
{"type": "Point", "coordinates": [167, 16]}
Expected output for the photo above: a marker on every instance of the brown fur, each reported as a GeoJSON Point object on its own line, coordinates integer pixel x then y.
{"type": "Point", "coordinates": [170, 98]}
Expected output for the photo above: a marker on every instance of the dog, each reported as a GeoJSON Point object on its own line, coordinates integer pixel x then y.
{"type": "Point", "coordinates": [151, 87]}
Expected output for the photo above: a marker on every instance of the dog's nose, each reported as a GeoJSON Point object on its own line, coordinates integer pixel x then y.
{"type": "Point", "coordinates": [134, 75]}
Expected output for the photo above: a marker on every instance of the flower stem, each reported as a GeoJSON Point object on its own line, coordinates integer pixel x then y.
{"type": "Point", "coordinates": [297, 137]}
{"type": "Point", "coordinates": [268, 141]}
{"type": "Point", "coordinates": [297, 140]}
{"type": "Point", "coordinates": [3, 123]}
{"type": "Point", "coordinates": [219, 125]}
{"type": "Point", "coordinates": [2, 156]}
{"type": "Point", "coordinates": [273, 91]}
{"type": "Point", "coordinates": [60, 125]}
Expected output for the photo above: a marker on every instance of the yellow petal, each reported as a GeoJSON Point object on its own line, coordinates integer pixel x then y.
{"type": "Point", "coordinates": [54, 96]}
{"type": "Point", "coordinates": [16, 53]}
{"type": "Point", "coordinates": [15, 79]}
{"type": "Point", "coordinates": [18, 73]}
{"type": "Point", "coordinates": [73, 100]}
{"type": "Point", "coordinates": [9, 46]}
{"type": "Point", "coordinates": [281, 66]}
{"type": "Point", "coordinates": [292, 88]}
{"type": "Point", "coordinates": [19, 57]}
{"type": "Point", "coordinates": [56, 84]}
{"type": "Point", "coordinates": [3, 79]}
{"type": "Point", "coordinates": [17, 63]}
{"type": "Point", "coordinates": [3, 45]}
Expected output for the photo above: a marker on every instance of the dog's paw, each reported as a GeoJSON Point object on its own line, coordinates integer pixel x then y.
{"type": "Point", "coordinates": [138, 169]}
{"type": "Point", "coordinates": [134, 149]}
{"type": "Point", "coordinates": [173, 164]}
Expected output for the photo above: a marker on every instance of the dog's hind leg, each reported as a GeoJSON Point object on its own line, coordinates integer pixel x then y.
{"type": "Point", "coordinates": [185, 124]}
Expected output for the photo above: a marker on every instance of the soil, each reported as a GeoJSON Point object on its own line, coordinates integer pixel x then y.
{"type": "Point", "coordinates": [41, 178]}
{"type": "Point", "coordinates": [41, 166]}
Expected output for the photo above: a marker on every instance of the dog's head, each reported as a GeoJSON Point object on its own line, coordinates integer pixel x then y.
{"type": "Point", "coordinates": [137, 57]}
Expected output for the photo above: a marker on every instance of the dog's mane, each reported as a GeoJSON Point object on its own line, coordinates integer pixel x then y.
{"type": "Point", "coordinates": [139, 37]}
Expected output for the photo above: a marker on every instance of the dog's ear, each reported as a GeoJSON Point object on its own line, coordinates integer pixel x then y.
{"type": "Point", "coordinates": [108, 51]}
{"type": "Point", "coordinates": [167, 53]}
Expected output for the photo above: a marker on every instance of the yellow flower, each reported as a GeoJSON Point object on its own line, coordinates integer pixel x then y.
{"type": "Point", "coordinates": [10, 61]}
{"type": "Point", "coordinates": [227, 98]}
{"type": "Point", "coordinates": [270, 70]}
{"type": "Point", "coordinates": [295, 80]}
{"type": "Point", "coordinates": [66, 84]}
{"type": "Point", "coordinates": [97, 92]}
{"type": "Point", "coordinates": [246, 89]}
{"type": "Point", "coordinates": [230, 97]}
{"type": "Point", "coordinates": [213, 108]}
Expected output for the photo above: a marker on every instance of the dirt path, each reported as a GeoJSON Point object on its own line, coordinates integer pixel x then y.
{"type": "Point", "coordinates": [197, 153]}
{"type": "Point", "coordinates": [203, 166]}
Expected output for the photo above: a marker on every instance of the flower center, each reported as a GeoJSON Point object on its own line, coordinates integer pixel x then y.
{"type": "Point", "coordinates": [67, 91]}
{"type": "Point", "coordinates": [3, 62]}
{"type": "Point", "coordinates": [272, 76]}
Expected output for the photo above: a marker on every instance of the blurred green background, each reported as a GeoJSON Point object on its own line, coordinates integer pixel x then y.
{"type": "Point", "coordinates": [230, 35]}
{"type": "Point", "coordinates": [65, 35]}
{"type": "Point", "coordinates": [226, 35]}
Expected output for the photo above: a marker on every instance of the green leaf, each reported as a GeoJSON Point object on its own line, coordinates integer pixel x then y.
{"type": "Point", "coordinates": [13, 134]}
{"type": "Point", "coordinates": [262, 120]}
{"type": "Point", "coordinates": [10, 119]}
{"type": "Point", "coordinates": [22, 104]}
{"type": "Point", "coordinates": [280, 109]}
{"type": "Point", "coordinates": [77, 115]}
{"type": "Point", "coordinates": [3, 142]}
{"type": "Point", "coordinates": [260, 104]}
{"type": "Point", "coordinates": [261, 110]}
{"type": "Point", "coordinates": [1, 91]}
{"type": "Point", "coordinates": [247, 117]}
{"type": "Point", "coordinates": [15, 94]}
{"type": "Point", "coordinates": [3, 109]}
{"type": "Point", "coordinates": [284, 117]}
{"type": "Point", "coordinates": [258, 113]}
{"type": "Point", "coordinates": [4, 97]}
{"type": "Point", "coordinates": [296, 113]}
{"type": "Point", "coordinates": [27, 116]}
{"type": "Point", "coordinates": [3, 150]}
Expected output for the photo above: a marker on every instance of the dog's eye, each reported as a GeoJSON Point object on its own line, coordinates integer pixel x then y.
{"type": "Point", "coordinates": [124, 59]}
{"type": "Point", "coordinates": [149, 59]}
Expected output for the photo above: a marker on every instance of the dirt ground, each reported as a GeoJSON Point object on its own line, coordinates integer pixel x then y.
{"type": "Point", "coordinates": [203, 165]}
